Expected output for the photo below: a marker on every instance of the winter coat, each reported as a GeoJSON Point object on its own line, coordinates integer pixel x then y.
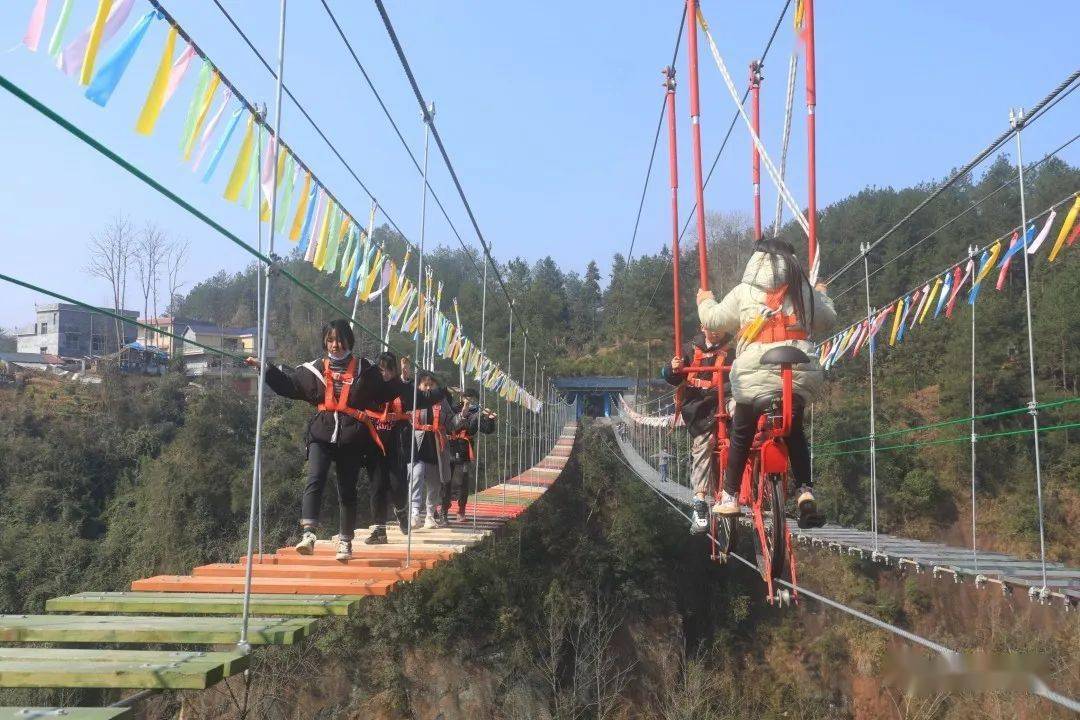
{"type": "Point", "coordinates": [473, 423]}
{"type": "Point", "coordinates": [698, 405]}
{"type": "Point", "coordinates": [368, 392]}
{"type": "Point", "coordinates": [749, 378]}
{"type": "Point", "coordinates": [428, 449]}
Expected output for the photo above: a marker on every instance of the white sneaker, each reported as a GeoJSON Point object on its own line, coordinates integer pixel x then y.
{"type": "Point", "coordinates": [306, 546]}
{"type": "Point", "coordinates": [699, 519]}
{"type": "Point", "coordinates": [430, 522]}
{"type": "Point", "coordinates": [344, 549]}
{"type": "Point", "coordinates": [727, 505]}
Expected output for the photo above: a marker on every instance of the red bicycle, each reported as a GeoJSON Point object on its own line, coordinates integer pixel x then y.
{"type": "Point", "coordinates": [765, 483]}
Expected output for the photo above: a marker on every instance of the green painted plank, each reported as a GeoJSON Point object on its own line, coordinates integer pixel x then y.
{"type": "Point", "coordinates": [189, 675]}
{"type": "Point", "coordinates": [231, 662]}
{"type": "Point", "coordinates": [202, 603]}
{"type": "Point", "coordinates": [43, 713]}
{"type": "Point", "coordinates": [149, 629]}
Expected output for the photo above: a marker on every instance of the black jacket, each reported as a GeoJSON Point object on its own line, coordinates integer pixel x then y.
{"type": "Point", "coordinates": [699, 406]}
{"type": "Point", "coordinates": [472, 422]}
{"type": "Point", "coordinates": [368, 392]}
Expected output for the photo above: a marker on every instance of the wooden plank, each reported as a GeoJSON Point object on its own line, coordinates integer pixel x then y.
{"type": "Point", "coordinates": [385, 551]}
{"type": "Point", "coordinates": [328, 559]}
{"type": "Point", "coordinates": [231, 663]}
{"type": "Point", "coordinates": [140, 603]}
{"type": "Point", "coordinates": [96, 674]}
{"type": "Point", "coordinates": [46, 713]}
{"type": "Point", "coordinates": [150, 629]}
{"type": "Point", "coordinates": [321, 572]}
{"type": "Point", "coordinates": [267, 585]}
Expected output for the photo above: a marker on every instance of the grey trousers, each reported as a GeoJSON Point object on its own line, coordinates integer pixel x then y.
{"type": "Point", "coordinates": [425, 486]}
{"type": "Point", "coordinates": [703, 463]}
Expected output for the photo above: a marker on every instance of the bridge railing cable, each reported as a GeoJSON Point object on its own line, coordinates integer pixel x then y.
{"type": "Point", "coordinates": [1035, 113]}
{"type": "Point", "coordinates": [952, 657]}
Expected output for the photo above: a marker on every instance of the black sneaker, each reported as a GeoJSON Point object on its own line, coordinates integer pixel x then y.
{"type": "Point", "coordinates": [377, 536]}
{"type": "Point", "coordinates": [403, 521]}
{"type": "Point", "coordinates": [699, 519]}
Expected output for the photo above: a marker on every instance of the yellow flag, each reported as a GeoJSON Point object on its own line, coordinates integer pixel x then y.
{"type": "Point", "coordinates": [155, 99]}
{"type": "Point", "coordinates": [995, 250]}
{"type": "Point", "coordinates": [243, 160]}
{"type": "Point", "coordinates": [369, 281]}
{"type": "Point", "coordinates": [896, 322]}
{"type": "Point", "coordinates": [301, 209]}
{"type": "Point", "coordinates": [930, 300]}
{"type": "Point", "coordinates": [204, 108]}
{"type": "Point", "coordinates": [94, 43]}
{"type": "Point", "coordinates": [1065, 227]}
{"type": "Point", "coordinates": [324, 234]}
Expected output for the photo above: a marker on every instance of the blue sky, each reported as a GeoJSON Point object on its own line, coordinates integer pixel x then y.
{"type": "Point", "coordinates": [548, 110]}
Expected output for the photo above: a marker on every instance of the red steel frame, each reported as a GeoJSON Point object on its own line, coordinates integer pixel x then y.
{"type": "Point", "coordinates": [811, 131]}
{"type": "Point", "coordinates": [695, 136]}
{"type": "Point", "coordinates": [755, 156]}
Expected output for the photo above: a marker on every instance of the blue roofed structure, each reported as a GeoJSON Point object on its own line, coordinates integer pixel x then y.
{"type": "Point", "coordinates": [593, 394]}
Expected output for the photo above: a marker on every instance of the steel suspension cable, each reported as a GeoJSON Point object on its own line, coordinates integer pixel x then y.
{"type": "Point", "coordinates": [1038, 686]}
{"type": "Point", "coordinates": [975, 205]}
{"type": "Point", "coordinates": [256, 465]}
{"type": "Point", "coordinates": [273, 261]}
{"type": "Point", "coordinates": [986, 152]}
{"type": "Point", "coordinates": [655, 142]}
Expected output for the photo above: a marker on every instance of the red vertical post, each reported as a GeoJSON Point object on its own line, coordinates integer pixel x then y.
{"type": "Point", "coordinates": [695, 136]}
{"type": "Point", "coordinates": [673, 165]}
{"type": "Point", "coordinates": [755, 156]}
{"type": "Point", "coordinates": [811, 131]}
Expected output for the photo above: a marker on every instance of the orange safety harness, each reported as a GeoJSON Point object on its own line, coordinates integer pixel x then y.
{"type": "Point", "coordinates": [392, 412]}
{"type": "Point", "coordinates": [702, 359]}
{"type": "Point", "coordinates": [435, 426]}
{"type": "Point", "coordinates": [340, 403]}
{"type": "Point", "coordinates": [463, 434]}
{"type": "Point", "coordinates": [773, 325]}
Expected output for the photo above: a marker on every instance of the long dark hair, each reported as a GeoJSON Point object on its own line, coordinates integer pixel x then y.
{"type": "Point", "coordinates": [786, 268]}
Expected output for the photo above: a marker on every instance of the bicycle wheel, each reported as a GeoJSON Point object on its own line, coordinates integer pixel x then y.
{"type": "Point", "coordinates": [772, 557]}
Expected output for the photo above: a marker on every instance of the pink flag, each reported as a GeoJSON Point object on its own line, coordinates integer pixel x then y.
{"type": "Point", "coordinates": [1004, 272]}
{"type": "Point", "coordinates": [72, 58]}
{"type": "Point", "coordinates": [204, 142]}
{"type": "Point", "coordinates": [37, 22]}
{"type": "Point", "coordinates": [179, 69]}
{"type": "Point", "coordinates": [269, 160]}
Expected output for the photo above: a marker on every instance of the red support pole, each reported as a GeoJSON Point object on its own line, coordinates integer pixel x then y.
{"type": "Point", "coordinates": [673, 164]}
{"type": "Point", "coordinates": [755, 156]}
{"type": "Point", "coordinates": [811, 130]}
{"type": "Point", "coordinates": [695, 130]}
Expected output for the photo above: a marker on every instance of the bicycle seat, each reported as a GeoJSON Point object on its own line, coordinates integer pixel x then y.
{"type": "Point", "coordinates": [782, 354]}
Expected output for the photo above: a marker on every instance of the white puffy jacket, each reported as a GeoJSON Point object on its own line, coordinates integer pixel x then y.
{"type": "Point", "coordinates": [749, 378]}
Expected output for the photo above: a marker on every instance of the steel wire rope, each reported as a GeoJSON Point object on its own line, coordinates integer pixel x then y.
{"type": "Point", "coordinates": [949, 441]}
{"type": "Point", "coordinates": [995, 144]}
{"type": "Point", "coordinates": [655, 142]}
{"type": "Point", "coordinates": [716, 160]}
{"type": "Point", "coordinates": [1038, 686]}
{"type": "Point", "coordinates": [274, 262]}
{"type": "Point", "coordinates": [974, 249]}
{"type": "Point", "coordinates": [1053, 153]}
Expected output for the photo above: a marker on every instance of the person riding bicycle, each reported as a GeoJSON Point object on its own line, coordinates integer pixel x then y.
{"type": "Point", "coordinates": [699, 410]}
{"type": "Point", "coordinates": [773, 305]}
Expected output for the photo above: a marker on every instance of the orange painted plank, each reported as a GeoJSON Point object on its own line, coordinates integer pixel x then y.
{"type": "Point", "coordinates": [359, 562]}
{"type": "Point", "coordinates": [331, 561]}
{"type": "Point", "coordinates": [388, 551]}
{"type": "Point", "coordinates": [274, 586]}
{"type": "Point", "coordinates": [313, 572]}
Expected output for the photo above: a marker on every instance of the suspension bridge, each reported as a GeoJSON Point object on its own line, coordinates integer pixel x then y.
{"type": "Point", "coordinates": [275, 598]}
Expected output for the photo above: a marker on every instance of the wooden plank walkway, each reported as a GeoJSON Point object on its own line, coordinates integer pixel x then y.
{"type": "Point", "coordinates": [957, 564]}
{"type": "Point", "coordinates": [290, 591]}
{"type": "Point", "coordinates": [45, 713]}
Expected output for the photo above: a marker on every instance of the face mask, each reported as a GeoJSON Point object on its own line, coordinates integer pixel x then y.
{"type": "Point", "coordinates": [339, 357]}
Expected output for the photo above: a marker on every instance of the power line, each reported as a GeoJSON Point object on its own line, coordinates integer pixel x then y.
{"type": "Point", "coordinates": [655, 142]}
{"type": "Point", "coordinates": [996, 143]}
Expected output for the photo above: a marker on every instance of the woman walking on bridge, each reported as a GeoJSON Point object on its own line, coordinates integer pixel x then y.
{"type": "Point", "coordinates": [772, 305]}
{"type": "Point", "coordinates": [341, 386]}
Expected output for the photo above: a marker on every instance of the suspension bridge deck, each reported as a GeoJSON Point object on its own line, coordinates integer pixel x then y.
{"type": "Point", "coordinates": [290, 592]}
{"type": "Point", "coordinates": [983, 568]}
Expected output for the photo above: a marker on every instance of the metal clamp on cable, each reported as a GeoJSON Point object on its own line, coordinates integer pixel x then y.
{"type": "Point", "coordinates": [1033, 408]}
{"type": "Point", "coordinates": [974, 438]}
